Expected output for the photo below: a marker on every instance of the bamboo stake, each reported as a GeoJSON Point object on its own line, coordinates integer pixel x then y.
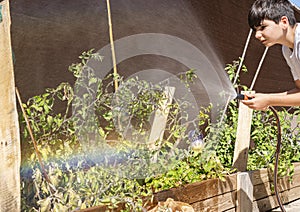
{"type": "Point", "coordinates": [112, 45]}
{"type": "Point", "coordinates": [237, 73]}
{"type": "Point", "coordinates": [258, 68]}
{"type": "Point", "coordinates": [243, 57]}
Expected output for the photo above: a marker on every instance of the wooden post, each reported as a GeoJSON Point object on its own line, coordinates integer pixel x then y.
{"type": "Point", "coordinates": [240, 157]}
{"type": "Point", "coordinates": [9, 127]}
{"type": "Point", "coordinates": [242, 143]}
{"type": "Point", "coordinates": [244, 192]}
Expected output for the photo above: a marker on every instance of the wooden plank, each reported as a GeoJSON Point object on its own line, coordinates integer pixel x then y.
{"type": "Point", "coordinates": [262, 181]}
{"type": "Point", "coordinates": [219, 203]}
{"type": "Point", "coordinates": [9, 127]}
{"type": "Point", "coordinates": [244, 192]}
{"type": "Point", "coordinates": [261, 176]}
{"type": "Point", "coordinates": [265, 175]}
{"type": "Point", "coordinates": [290, 207]}
{"type": "Point", "coordinates": [226, 202]}
{"type": "Point", "coordinates": [264, 190]}
{"type": "Point", "coordinates": [199, 191]}
{"type": "Point", "coordinates": [200, 195]}
{"type": "Point", "coordinates": [242, 143]}
{"type": "Point", "coordinates": [270, 202]}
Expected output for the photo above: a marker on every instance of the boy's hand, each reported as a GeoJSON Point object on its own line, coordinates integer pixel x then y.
{"type": "Point", "coordinates": [258, 101]}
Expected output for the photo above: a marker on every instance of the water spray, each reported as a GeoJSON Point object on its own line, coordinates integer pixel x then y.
{"type": "Point", "coordinates": [278, 148]}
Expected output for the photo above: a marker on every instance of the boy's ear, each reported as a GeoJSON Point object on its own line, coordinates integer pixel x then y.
{"type": "Point", "coordinates": [284, 21]}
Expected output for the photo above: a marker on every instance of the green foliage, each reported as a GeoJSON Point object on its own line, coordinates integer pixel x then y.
{"type": "Point", "coordinates": [83, 183]}
{"type": "Point", "coordinates": [140, 99]}
{"type": "Point", "coordinates": [39, 110]}
{"type": "Point", "coordinates": [263, 136]}
{"type": "Point", "coordinates": [193, 168]}
{"type": "Point", "coordinates": [78, 187]}
{"type": "Point", "coordinates": [77, 182]}
{"type": "Point", "coordinates": [231, 70]}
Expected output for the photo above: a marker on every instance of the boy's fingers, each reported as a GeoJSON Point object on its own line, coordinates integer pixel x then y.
{"type": "Point", "coordinates": [247, 102]}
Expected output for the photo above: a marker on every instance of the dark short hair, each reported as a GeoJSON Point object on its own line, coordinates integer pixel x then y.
{"type": "Point", "coordinates": [271, 10]}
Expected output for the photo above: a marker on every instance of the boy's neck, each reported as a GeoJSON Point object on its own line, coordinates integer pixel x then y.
{"type": "Point", "coordinates": [290, 37]}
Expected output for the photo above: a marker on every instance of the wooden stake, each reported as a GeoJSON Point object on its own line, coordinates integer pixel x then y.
{"type": "Point", "coordinates": [112, 45]}
{"type": "Point", "coordinates": [242, 142]}
{"type": "Point", "coordinates": [244, 192]}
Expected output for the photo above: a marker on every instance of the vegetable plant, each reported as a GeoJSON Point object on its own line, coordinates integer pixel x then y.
{"type": "Point", "coordinates": [77, 182]}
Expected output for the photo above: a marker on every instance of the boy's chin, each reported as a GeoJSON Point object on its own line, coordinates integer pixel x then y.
{"type": "Point", "coordinates": [268, 44]}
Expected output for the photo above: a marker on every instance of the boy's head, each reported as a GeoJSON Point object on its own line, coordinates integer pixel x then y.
{"type": "Point", "coordinates": [272, 10]}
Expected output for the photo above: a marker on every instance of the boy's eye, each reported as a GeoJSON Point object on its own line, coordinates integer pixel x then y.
{"type": "Point", "coordinates": [260, 28]}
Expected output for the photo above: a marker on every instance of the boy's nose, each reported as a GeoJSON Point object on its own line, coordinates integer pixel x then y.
{"type": "Point", "coordinates": [258, 34]}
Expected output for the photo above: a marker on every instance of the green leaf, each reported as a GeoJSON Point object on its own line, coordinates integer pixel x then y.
{"type": "Point", "coordinates": [92, 80]}
{"type": "Point", "coordinates": [45, 204]}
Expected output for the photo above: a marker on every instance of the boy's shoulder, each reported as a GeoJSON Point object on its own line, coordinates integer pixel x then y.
{"type": "Point", "coordinates": [297, 33]}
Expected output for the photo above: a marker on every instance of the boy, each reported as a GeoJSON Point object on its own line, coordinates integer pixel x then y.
{"type": "Point", "coordinates": [274, 22]}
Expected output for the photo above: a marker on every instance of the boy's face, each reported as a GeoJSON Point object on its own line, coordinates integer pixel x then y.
{"type": "Point", "coordinates": [269, 33]}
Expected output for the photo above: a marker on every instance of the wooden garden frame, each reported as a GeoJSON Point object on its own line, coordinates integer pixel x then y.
{"type": "Point", "coordinates": [10, 199]}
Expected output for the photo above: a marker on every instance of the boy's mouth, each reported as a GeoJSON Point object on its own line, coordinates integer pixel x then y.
{"type": "Point", "coordinates": [263, 42]}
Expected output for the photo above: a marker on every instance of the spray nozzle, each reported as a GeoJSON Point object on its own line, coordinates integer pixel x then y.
{"type": "Point", "coordinates": [243, 97]}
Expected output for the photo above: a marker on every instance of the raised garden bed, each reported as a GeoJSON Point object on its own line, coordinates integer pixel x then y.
{"type": "Point", "coordinates": [217, 195]}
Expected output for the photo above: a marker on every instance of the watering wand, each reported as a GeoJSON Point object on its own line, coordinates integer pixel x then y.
{"type": "Point", "coordinates": [245, 97]}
